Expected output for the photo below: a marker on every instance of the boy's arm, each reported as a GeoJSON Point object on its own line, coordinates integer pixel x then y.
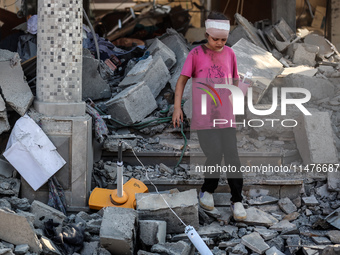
{"type": "Point", "coordinates": [177, 116]}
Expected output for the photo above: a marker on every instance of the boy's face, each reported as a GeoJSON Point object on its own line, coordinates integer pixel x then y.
{"type": "Point", "coordinates": [216, 43]}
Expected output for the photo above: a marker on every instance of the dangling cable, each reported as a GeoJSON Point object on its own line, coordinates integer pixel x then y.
{"type": "Point", "coordinates": [146, 174]}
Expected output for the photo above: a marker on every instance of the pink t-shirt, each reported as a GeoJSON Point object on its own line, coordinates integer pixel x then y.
{"type": "Point", "coordinates": [207, 68]}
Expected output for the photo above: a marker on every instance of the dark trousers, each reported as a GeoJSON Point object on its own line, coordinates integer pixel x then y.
{"type": "Point", "coordinates": [216, 143]}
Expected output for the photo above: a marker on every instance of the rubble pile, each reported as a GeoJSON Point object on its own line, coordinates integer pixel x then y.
{"type": "Point", "coordinates": [275, 225]}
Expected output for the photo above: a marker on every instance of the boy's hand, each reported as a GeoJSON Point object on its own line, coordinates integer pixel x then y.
{"type": "Point", "coordinates": [177, 117]}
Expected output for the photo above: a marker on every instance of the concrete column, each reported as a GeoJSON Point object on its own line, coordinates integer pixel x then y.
{"type": "Point", "coordinates": [59, 58]}
{"type": "Point", "coordinates": [285, 9]}
{"type": "Point", "coordinates": [59, 99]}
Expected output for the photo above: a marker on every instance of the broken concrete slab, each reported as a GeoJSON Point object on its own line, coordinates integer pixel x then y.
{"type": "Point", "coordinates": [272, 123]}
{"type": "Point", "coordinates": [302, 70]}
{"type": "Point", "coordinates": [93, 85]}
{"type": "Point", "coordinates": [21, 249]}
{"type": "Point", "coordinates": [310, 201]}
{"type": "Point", "coordinates": [239, 249]}
{"type": "Point", "coordinates": [9, 186]}
{"type": "Point", "coordinates": [112, 141]}
{"type": "Point", "coordinates": [16, 229]}
{"type": "Point", "coordinates": [283, 225]}
{"type": "Point", "coordinates": [43, 213]}
{"type": "Point", "coordinates": [334, 218]}
{"type": "Point", "coordinates": [152, 71]}
{"type": "Point", "coordinates": [222, 199]}
{"type": "Point", "coordinates": [293, 243]}
{"type": "Point", "coordinates": [6, 169]}
{"type": "Point", "coordinates": [259, 218]}
{"type": "Point", "coordinates": [287, 205]}
{"type": "Point", "coordinates": [334, 236]}
{"type": "Point", "coordinates": [132, 104]}
{"type": "Point", "coordinates": [250, 30]}
{"type": "Point", "coordinates": [318, 87]}
{"type": "Point", "coordinates": [266, 234]}
{"type": "Point", "coordinates": [177, 44]}
{"type": "Point", "coordinates": [303, 54]}
{"type": "Point", "coordinates": [237, 34]}
{"type": "Point", "coordinates": [325, 49]}
{"type": "Point", "coordinates": [323, 191]}
{"type": "Point", "coordinates": [14, 88]}
{"type": "Point", "coordinates": [118, 230]}
{"type": "Point", "coordinates": [273, 251]}
{"type": "Point", "coordinates": [4, 124]}
{"type": "Point", "coordinates": [333, 182]}
{"type": "Point", "coordinates": [158, 48]}
{"type": "Point", "coordinates": [314, 138]}
{"type": "Point", "coordinates": [262, 63]}
{"type": "Point", "coordinates": [321, 240]}
{"type": "Point", "coordinates": [292, 216]}
{"type": "Point", "coordinates": [152, 231]}
{"type": "Point", "coordinates": [185, 204]}
{"type": "Point", "coordinates": [262, 200]}
{"type": "Point", "coordinates": [255, 242]}
{"type": "Point", "coordinates": [179, 248]}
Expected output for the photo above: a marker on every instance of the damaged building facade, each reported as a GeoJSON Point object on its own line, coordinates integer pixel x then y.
{"type": "Point", "coordinates": [74, 95]}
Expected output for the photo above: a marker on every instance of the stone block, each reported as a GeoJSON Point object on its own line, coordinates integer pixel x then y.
{"type": "Point", "coordinates": [259, 218]}
{"type": "Point", "coordinates": [303, 53]}
{"type": "Point", "coordinates": [21, 249]}
{"type": "Point", "coordinates": [153, 207]}
{"type": "Point", "coordinates": [141, 252]}
{"type": "Point", "coordinates": [152, 71]}
{"type": "Point", "coordinates": [302, 70]}
{"type": "Point", "coordinates": [44, 213]}
{"type": "Point", "coordinates": [287, 205]}
{"type": "Point", "coordinates": [321, 240]}
{"type": "Point", "coordinates": [14, 88]}
{"type": "Point", "coordinates": [72, 136]}
{"type": "Point", "coordinates": [273, 251]}
{"type": "Point", "coordinates": [132, 104]}
{"type": "Point", "coordinates": [6, 169]}
{"type": "Point", "coordinates": [157, 48]}
{"type": "Point", "coordinates": [118, 230]}
{"type": "Point", "coordinates": [9, 186]}
{"type": "Point", "coordinates": [255, 242]}
{"type": "Point", "coordinates": [319, 88]}
{"type": "Point", "coordinates": [89, 248]}
{"type": "Point", "coordinates": [262, 200]}
{"type": "Point", "coordinates": [310, 201]}
{"type": "Point", "coordinates": [262, 63]}
{"type": "Point", "coordinates": [271, 125]}
{"type": "Point", "coordinates": [93, 85]}
{"type": "Point", "coordinates": [266, 234]}
{"type": "Point", "coordinates": [4, 124]}
{"type": "Point", "coordinates": [314, 138]}
{"type": "Point", "coordinates": [334, 235]}
{"type": "Point", "coordinates": [179, 248]}
{"type": "Point", "coordinates": [291, 191]}
{"type": "Point", "coordinates": [293, 243]}
{"type": "Point", "coordinates": [16, 229]}
{"type": "Point", "coordinates": [152, 231]}
{"type": "Point", "coordinates": [178, 45]}
{"type": "Point", "coordinates": [283, 225]}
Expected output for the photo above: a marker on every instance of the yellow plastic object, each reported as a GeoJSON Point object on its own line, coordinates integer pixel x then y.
{"type": "Point", "coordinates": [100, 198]}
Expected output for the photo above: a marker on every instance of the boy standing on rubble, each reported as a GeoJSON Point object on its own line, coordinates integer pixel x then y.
{"type": "Point", "coordinates": [210, 64]}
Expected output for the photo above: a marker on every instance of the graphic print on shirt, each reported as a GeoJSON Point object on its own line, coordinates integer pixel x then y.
{"type": "Point", "coordinates": [215, 75]}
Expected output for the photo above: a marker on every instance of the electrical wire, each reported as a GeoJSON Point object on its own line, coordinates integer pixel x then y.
{"type": "Point", "coordinates": [93, 34]}
{"type": "Point", "coordinates": [147, 176]}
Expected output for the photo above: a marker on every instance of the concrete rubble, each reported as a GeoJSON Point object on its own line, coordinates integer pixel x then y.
{"type": "Point", "coordinates": [286, 215]}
